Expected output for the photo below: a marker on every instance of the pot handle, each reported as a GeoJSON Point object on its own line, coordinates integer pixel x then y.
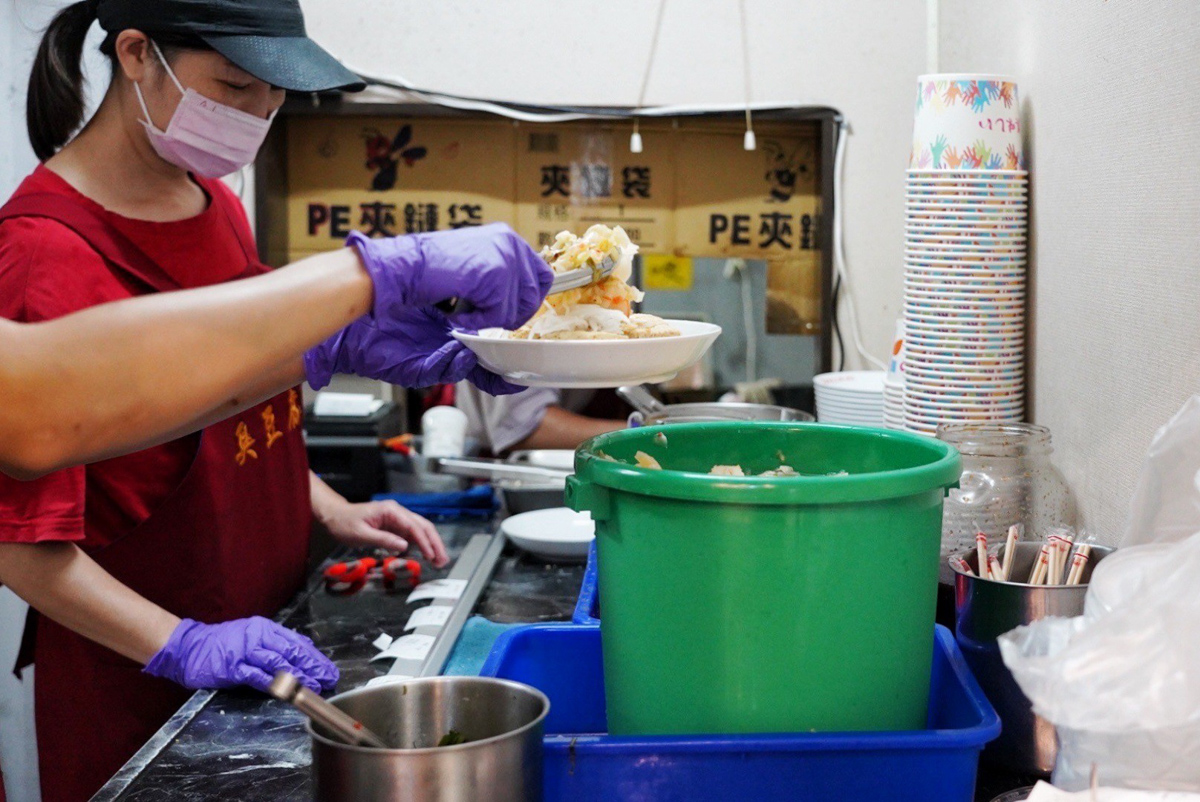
{"type": "Point", "coordinates": [583, 496]}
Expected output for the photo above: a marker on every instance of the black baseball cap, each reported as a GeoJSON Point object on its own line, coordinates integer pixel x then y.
{"type": "Point", "coordinates": [266, 38]}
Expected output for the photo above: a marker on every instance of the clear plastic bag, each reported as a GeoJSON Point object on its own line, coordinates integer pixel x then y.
{"type": "Point", "coordinates": [1045, 792]}
{"type": "Point", "coordinates": [1166, 502]}
{"type": "Point", "coordinates": [1121, 683]}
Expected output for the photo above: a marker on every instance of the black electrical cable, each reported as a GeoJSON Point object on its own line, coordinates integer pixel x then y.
{"type": "Point", "coordinates": [837, 329]}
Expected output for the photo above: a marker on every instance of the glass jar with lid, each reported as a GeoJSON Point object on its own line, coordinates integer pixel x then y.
{"type": "Point", "coordinates": [1007, 479]}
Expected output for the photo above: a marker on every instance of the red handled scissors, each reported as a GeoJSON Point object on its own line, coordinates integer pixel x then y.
{"type": "Point", "coordinates": [351, 576]}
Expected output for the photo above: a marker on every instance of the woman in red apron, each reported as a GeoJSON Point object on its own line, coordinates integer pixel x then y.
{"type": "Point", "coordinates": [152, 571]}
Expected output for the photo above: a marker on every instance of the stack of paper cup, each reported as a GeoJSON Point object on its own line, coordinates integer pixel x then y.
{"type": "Point", "coordinates": [850, 396]}
{"type": "Point", "coordinates": [964, 278]}
{"type": "Point", "coordinates": [893, 383]}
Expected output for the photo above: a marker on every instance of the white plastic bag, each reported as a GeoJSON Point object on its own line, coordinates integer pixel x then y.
{"type": "Point", "coordinates": [1122, 682]}
{"type": "Point", "coordinates": [1045, 792]}
{"type": "Point", "coordinates": [1166, 502]}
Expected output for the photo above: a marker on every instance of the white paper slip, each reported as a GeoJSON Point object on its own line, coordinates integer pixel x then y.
{"type": "Point", "coordinates": [383, 641]}
{"type": "Point", "coordinates": [432, 616]}
{"type": "Point", "coordinates": [407, 647]}
{"type": "Point", "coordinates": [439, 589]}
{"type": "Point", "coordinates": [346, 405]}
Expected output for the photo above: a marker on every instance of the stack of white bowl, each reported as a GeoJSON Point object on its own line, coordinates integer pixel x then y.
{"type": "Point", "coordinates": [966, 209]}
{"type": "Point", "coordinates": [893, 383]}
{"type": "Point", "coordinates": [850, 396]}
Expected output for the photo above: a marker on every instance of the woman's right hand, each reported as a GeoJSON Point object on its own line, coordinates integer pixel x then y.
{"type": "Point", "coordinates": [489, 266]}
{"type": "Point", "coordinates": [417, 350]}
{"type": "Point", "coordinates": [247, 651]}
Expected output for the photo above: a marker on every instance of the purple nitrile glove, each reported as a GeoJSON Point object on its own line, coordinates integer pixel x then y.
{"type": "Point", "coordinates": [247, 651]}
{"type": "Point", "coordinates": [489, 266]}
{"type": "Point", "coordinates": [419, 350]}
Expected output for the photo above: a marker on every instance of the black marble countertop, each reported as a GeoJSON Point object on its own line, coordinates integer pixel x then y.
{"type": "Point", "coordinates": [243, 745]}
{"type": "Point", "coordinates": [246, 746]}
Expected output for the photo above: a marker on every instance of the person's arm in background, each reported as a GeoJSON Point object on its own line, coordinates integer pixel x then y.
{"type": "Point", "coordinates": [562, 429]}
{"type": "Point", "coordinates": [63, 583]}
{"type": "Point", "coordinates": [70, 588]}
{"type": "Point", "coordinates": [378, 524]}
{"type": "Point", "coordinates": [127, 375]}
{"type": "Point", "coordinates": [537, 417]}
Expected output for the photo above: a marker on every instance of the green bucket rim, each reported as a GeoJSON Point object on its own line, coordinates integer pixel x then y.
{"type": "Point", "coordinates": [942, 471]}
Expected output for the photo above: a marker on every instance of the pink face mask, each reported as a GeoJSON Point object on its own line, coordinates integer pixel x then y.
{"type": "Point", "coordinates": [205, 137]}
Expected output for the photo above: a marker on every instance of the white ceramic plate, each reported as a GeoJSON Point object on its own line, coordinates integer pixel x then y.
{"type": "Point", "coordinates": [592, 363]}
{"type": "Point", "coordinates": [851, 381]}
{"type": "Point", "coordinates": [557, 534]}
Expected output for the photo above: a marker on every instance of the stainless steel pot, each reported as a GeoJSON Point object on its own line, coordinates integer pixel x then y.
{"type": "Point", "coordinates": [985, 610]}
{"type": "Point", "coordinates": [717, 411]}
{"type": "Point", "coordinates": [501, 760]}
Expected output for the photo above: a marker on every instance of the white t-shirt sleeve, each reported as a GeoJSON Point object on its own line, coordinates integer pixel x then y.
{"type": "Point", "coordinates": [500, 422]}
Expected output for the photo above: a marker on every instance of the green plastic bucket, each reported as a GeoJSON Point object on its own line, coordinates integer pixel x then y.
{"type": "Point", "coordinates": [734, 605]}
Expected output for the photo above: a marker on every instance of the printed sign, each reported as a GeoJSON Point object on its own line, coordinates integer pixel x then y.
{"type": "Point", "coordinates": [692, 191]}
{"type": "Point", "coordinates": [666, 272]}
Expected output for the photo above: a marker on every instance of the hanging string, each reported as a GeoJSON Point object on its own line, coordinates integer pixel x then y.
{"type": "Point", "coordinates": [635, 141]}
{"type": "Point", "coordinates": [748, 141]}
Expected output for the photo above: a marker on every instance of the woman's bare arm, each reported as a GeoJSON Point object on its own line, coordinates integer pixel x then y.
{"type": "Point", "coordinates": [126, 375]}
{"type": "Point", "coordinates": [66, 585]}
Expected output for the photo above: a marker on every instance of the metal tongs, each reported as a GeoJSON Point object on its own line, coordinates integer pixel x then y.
{"type": "Point", "coordinates": [495, 469]}
{"type": "Point", "coordinates": [286, 687]}
{"type": "Point", "coordinates": [570, 280]}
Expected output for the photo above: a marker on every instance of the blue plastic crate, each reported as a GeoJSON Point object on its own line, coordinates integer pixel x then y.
{"type": "Point", "coordinates": [587, 607]}
{"type": "Point", "coordinates": [583, 763]}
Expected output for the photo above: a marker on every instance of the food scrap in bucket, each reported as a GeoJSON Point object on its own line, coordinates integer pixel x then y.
{"type": "Point", "coordinates": [644, 460]}
{"type": "Point", "coordinates": [660, 439]}
{"type": "Point", "coordinates": [600, 311]}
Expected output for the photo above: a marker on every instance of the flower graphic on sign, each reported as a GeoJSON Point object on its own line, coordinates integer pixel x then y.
{"type": "Point", "coordinates": [384, 155]}
{"type": "Point", "coordinates": [783, 168]}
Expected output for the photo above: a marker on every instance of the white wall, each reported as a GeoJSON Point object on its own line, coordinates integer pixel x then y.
{"type": "Point", "coordinates": [1112, 117]}
{"type": "Point", "coordinates": [859, 56]}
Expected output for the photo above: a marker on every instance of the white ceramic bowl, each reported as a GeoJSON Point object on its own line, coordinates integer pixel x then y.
{"type": "Point", "coordinates": [555, 534]}
{"type": "Point", "coordinates": [851, 381]}
{"type": "Point", "coordinates": [592, 363]}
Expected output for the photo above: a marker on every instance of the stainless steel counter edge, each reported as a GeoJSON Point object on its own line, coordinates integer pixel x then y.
{"type": "Point", "coordinates": [159, 741]}
{"type": "Point", "coordinates": [125, 776]}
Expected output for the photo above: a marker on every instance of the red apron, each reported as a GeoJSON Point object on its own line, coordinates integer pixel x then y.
{"type": "Point", "coordinates": [231, 541]}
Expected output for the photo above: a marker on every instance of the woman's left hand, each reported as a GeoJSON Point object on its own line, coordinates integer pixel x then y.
{"type": "Point", "coordinates": [385, 525]}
